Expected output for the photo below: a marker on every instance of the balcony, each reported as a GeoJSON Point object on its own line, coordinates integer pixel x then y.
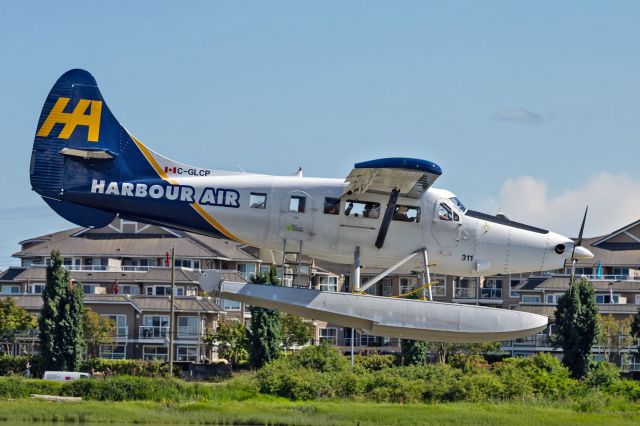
{"type": "Point", "coordinates": [537, 341]}
{"type": "Point", "coordinates": [153, 332]}
{"type": "Point", "coordinates": [188, 332]}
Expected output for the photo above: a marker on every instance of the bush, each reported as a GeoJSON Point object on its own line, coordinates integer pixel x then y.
{"type": "Point", "coordinates": [375, 362]}
{"type": "Point", "coordinates": [468, 362]}
{"type": "Point", "coordinates": [323, 358]}
{"type": "Point", "coordinates": [125, 388]}
{"type": "Point", "coordinates": [17, 387]}
{"type": "Point", "coordinates": [16, 365]}
{"type": "Point", "coordinates": [602, 375]}
{"type": "Point", "coordinates": [128, 367]}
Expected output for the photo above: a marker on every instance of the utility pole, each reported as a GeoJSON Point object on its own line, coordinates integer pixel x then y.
{"type": "Point", "coordinates": [173, 308]}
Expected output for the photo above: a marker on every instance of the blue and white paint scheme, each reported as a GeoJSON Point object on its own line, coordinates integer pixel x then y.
{"type": "Point", "coordinates": [90, 169]}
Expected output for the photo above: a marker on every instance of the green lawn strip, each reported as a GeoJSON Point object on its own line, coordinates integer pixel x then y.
{"type": "Point", "coordinates": [325, 413]}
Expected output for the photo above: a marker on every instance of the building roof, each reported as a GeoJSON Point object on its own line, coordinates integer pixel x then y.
{"type": "Point", "coordinates": [139, 303]}
{"type": "Point", "coordinates": [131, 239]}
{"type": "Point", "coordinates": [39, 274]}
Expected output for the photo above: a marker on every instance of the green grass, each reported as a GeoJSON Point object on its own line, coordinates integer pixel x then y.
{"type": "Point", "coordinates": [325, 413]}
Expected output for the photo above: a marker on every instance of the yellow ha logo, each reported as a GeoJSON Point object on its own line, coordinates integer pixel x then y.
{"type": "Point", "coordinates": [78, 117]}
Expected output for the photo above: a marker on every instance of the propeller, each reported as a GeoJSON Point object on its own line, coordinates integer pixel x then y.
{"type": "Point", "coordinates": [573, 252]}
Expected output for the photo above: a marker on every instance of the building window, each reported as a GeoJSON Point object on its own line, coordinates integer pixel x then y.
{"type": "Point", "coordinates": [328, 283]}
{"type": "Point", "coordinates": [606, 298]}
{"type": "Point", "coordinates": [230, 305]}
{"type": "Point", "coordinates": [407, 284]}
{"type": "Point", "coordinates": [36, 288]}
{"type": "Point", "coordinates": [620, 271]}
{"type": "Point", "coordinates": [362, 209]}
{"type": "Point", "coordinates": [530, 298]}
{"type": "Point", "coordinates": [187, 354]}
{"type": "Point", "coordinates": [188, 327]}
{"type": "Point", "coordinates": [552, 298]}
{"type": "Point", "coordinates": [387, 287]}
{"type": "Point", "coordinates": [329, 335]}
{"type": "Point", "coordinates": [155, 327]}
{"type": "Point", "coordinates": [439, 286]}
{"type": "Point", "coordinates": [10, 289]}
{"type": "Point", "coordinates": [113, 351]}
{"type": "Point", "coordinates": [331, 205]}
{"type": "Point", "coordinates": [367, 340]}
{"type": "Point", "coordinates": [246, 270]}
{"type": "Point", "coordinates": [129, 289]}
{"type": "Point", "coordinates": [120, 322]}
{"type": "Point", "coordinates": [89, 288]}
{"type": "Point", "coordinates": [155, 352]}
{"type": "Point", "coordinates": [297, 203]}
{"type": "Point", "coordinates": [163, 290]}
{"type": "Point", "coordinates": [407, 214]}
{"type": "Point", "coordinates": [258, 200]}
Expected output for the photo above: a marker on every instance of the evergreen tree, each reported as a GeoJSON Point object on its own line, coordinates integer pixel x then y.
{"type": "Point", "coordinates": [61, 335]}
{"type": "Point", "coordinates": [635, 328]}
{"type": "Point", "coordinates": [265, 334]}
{"type": "Point", "coordinates": [576, 319]}
{"type": "Point", "coordinates": [414, 352]}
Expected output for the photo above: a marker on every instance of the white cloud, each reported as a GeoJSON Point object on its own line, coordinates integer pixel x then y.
{"type": "Point", "coordinates": [518, 115]}
{"type": "Point", "coordinates": [613, 201]}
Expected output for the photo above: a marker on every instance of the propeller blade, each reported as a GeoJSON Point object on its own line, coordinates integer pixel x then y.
{"type": "Point", "coordinates": [573, 252]}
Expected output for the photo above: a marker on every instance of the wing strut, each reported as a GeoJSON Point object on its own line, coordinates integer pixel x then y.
{"type": "Point", "coordinates": [388, 215]}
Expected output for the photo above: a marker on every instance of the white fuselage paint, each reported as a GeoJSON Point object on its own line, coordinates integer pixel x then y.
{"type": "Point", "coordinates": [468, 247]}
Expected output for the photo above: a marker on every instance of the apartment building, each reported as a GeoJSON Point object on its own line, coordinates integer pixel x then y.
{"type": "Point", "coordinates": [125, 273]}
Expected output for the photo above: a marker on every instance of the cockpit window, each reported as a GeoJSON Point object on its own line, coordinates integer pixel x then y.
{"type": "Point", "coordinates": [458, 204]}
{"type": "Point", "coordinates": [444, 212]}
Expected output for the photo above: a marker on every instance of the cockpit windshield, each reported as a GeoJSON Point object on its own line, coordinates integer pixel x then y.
{"type": "Point", "coordinates": [458, 204]}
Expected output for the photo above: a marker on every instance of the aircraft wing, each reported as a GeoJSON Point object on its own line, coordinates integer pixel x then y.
{"type": "Point", "coordinates": [410, 176]}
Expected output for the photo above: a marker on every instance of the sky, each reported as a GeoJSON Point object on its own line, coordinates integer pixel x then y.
{"type": "Point", "coordinates": [530, 108]}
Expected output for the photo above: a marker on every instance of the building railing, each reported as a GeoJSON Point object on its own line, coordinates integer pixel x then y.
{"type": "Point", "coordinates": [188, 332]}
{"type": "Point", "coordinates": [153, 332]}
{"type": "Point", "coordinates": [485, 293]}
{"type": "Point", "coordinates": [536, 340]}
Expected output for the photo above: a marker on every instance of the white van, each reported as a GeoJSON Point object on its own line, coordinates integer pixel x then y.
{"type": "Point", "coordinates": [64, 375]}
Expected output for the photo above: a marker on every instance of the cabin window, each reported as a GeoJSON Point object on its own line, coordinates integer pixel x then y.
{"type": "Point", "coordinates": [331, 205]}
{"type": "Point", "coordinates": [296, 204]}
{"type": "Point", "coordinates": [407, 214]}
{"type": "Point", "coordinates": [258, 200]}
{"type": "Point", "coordinates": [362, 209]}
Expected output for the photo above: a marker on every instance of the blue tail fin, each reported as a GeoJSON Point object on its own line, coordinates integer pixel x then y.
{"type": "Point", "coordinates": [78, 139]}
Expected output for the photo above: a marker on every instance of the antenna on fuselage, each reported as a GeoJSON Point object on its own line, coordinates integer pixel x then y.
{"type": "Point", "coordinates": [299, 172]}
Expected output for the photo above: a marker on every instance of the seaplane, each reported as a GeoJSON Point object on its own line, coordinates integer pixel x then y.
{"type": "Point", "coordinates": [385, 213]}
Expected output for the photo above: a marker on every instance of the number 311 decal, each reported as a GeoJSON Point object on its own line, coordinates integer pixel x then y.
{"type": "Point", "coordinates": [467, 257]}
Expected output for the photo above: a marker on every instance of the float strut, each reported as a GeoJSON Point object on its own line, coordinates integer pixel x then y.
{"type": "Point", "coordinates": [427, 272]}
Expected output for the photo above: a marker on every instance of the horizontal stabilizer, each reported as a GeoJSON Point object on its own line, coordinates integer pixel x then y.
{"type": "Point", "coordinates": [81, 215]}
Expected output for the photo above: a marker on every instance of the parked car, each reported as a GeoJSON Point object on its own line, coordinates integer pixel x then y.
{"type": "Point", "coordinates": [65, 375]}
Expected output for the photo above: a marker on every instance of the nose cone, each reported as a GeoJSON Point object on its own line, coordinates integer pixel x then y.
{"type": "Point", "coordinates": [582, 253]}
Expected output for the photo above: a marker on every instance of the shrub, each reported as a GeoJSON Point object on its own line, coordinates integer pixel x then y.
{"type": "Point", "coordinates": [468, 362]}
{"type": "Point", "coordinates": [17, 387]}
{"type": "Point", "coordinates": [17, 365]}
{"type": "Point", "coordinates": [323, 358]}
{"type": "Point", "coordinates": [124, 388]}
{"type": "Point", "coordinates": [374, 362]}
{"type": "Point", "coordinates": [602, 375]}
{"type": "Point", "coordinates": [129, 367]}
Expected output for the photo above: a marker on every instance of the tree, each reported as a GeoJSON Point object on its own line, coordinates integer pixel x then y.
{"type": "Point", "coordinates": [576, 319]}
{"type": "Point", "coordinates": [635, 325]}
{"type": "Point", "coordinates": [97, 330]}
{"type": "Point", "coordinates": [414, 352]}
{"type": "Point", "coordinates": [231, 338]}
{"type": "Point", "coordinates": [615, 335]}
{"type": "Point", "coordinates": [295, 331]}
{"type": "Point", "coordinates": [265, 334]}
{"type": "Point", "coordinates": [61, 318]}
{"type": "Point", "coordinates": [14, 320]}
